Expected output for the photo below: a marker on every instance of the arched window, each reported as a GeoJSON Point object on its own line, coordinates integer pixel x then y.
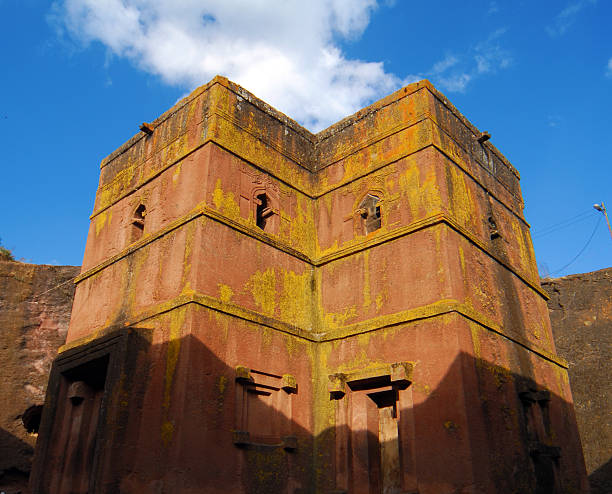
{"type": "Point", "coordinates": [262, 211]}
{"type": "Point", "coordinates": [493, 230]}
{"type": "Point", "coordinates": [31, 418]}
{"type": "Point", "coordinates": [138, 222]}
{"type": "Point", "coordinates": [369, 211]}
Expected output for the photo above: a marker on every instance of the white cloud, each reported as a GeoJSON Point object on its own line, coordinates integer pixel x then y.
{"type": "Point", "coordinates": [490, 56]}
{"type": "Point", "coordinates": [564, 19]}
{"type": "Point", "coordinates": [456, 83]}
{"type": "Point", "coordinates": [609, 68]}
{"type": "Point", "coordinates": [286, 52]}
{"type": "Point", "coordinates": [444, 65]}
{"type": "Point", "coordinates": [454, 72]}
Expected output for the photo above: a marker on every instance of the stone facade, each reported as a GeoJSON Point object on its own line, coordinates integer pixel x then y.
{"type": "Point", "coordinates": [261, 309]}
{"type": "Point", "coordinates": [35, 304]}
{"type": "Point", "coordinates": [579, 310]}
{"type": "Point", "coordinates": [581, 315]}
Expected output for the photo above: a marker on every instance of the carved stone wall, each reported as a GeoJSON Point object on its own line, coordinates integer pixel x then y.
{"type": "Point", "coordinates": [581, 315]}
{"type": "Point", "coordinates": [262, 309]}
{"type": "Point", "coordinates": [34, 316]}
{"type": "Point", "coordinates": [33, 325]}
{"type": "Point", "coordinates": [235, 261]}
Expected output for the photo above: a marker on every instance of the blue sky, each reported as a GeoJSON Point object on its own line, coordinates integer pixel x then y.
{"type": "Point", "coordinates": [79, 76]}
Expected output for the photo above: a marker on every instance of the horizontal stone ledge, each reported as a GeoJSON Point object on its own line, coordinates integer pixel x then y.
{"type": "Point", "coordinates": [316, 335]}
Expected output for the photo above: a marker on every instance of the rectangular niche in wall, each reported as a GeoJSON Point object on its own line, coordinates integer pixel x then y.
{"type": "Point", "coordinates": [374, 430]}
{"type": "Point", "coordinates": [263, 409]}
{"type": "Point", "coordinates": [74, 426]}
{"type": "Point", "coordinates": [544, 454]}
{"type": "Point", "coordinates": [70, 456]}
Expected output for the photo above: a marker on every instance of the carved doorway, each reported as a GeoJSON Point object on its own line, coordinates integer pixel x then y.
{"type": "Point", "coordinates": [388, 441]}
{"type": "Point", "coordinates": [374, 431]}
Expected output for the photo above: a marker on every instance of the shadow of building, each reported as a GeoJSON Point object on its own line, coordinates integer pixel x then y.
{"type": "Point", "coordinates": [265, 310]}
{"type": "Point", "coordinates": [127, 415]}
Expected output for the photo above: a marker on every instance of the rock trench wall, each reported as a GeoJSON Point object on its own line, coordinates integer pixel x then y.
{"type": "Point", "coordinates": [580, 308]}
{"type": "Point", "coordinates": [34, 317]}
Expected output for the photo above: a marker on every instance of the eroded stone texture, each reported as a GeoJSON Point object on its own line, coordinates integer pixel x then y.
{"type": "Point", "coordinates": [34, 316]}
{"type": "Point", "coordinates": [581, 316]}
{"type": "Point", "coordinates": [265, 310]}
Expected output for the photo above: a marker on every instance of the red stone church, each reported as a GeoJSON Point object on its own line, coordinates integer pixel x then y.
{"type": "Point", "coordinates": [266, 310]}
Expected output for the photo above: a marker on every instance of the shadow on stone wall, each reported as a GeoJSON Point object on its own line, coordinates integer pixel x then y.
{"type": "Point", "coordinates": [13, 480]}
{"type": "Point", "coordinates": [580, 308]}
{"type": "Point", "coordinates": [183, 432]}
{"type": "Point", "coordinates": [601, 479]}
{"type": "Point", "coordinates": [35, 306]}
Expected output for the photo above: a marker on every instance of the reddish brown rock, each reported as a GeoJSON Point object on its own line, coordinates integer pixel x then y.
{"type": "Point", "coordinates": [35, 305]}
{"type": "Point", "coordinates": [265, 310]}
{"type": "Point", "coordinates": [581, 316]}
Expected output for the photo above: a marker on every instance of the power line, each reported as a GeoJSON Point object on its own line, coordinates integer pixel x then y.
{"type": "Point", "coordinates": [554, 226]}
{"type": "Point", "coordinates": [53, 288]}
{"type": "Point", "coordinates": [581, 213]}
{"type": "Point", "coordinates": [562, 227]}
{"type": "Point", "coordinates": [581, 250]}
{"type": "Point", "coordinates": [562, 224]}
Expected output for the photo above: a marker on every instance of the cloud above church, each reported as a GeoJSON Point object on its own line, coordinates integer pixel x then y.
{"type": "Point", "coordinates": [456, 71]}
{"type": "Point", "coordinates": [287, 53]}
{"type": "Point", "coordinates": [564, 20]}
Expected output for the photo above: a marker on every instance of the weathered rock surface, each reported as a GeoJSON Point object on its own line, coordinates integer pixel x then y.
{"type": "Point", "coordinates": [34, 321]}
{"type": "Point", "coordinates": [581, 316]}
{"type": "Point", "coordinates": [35, 305]}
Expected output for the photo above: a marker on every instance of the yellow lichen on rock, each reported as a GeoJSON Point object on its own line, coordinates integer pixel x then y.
{"type": "Point", "coordinates": [296, 298]}
{"type": "Point", "coordinates": [101, 220]}
{"type": "Point", "coordinates": [225, 293]}
{"type": "Point", "coordinates": [176, 321]}
{"type": "Point", "coordinates": [303, 231]}
{"type": "Point", "coordinates": [335, 320]}
{"type": "Point", "coordinates": [225, 203]}
{"type": "Point", "coordinates": [262, 285]}
{"type": "Point", "coordinates": [460, 197]}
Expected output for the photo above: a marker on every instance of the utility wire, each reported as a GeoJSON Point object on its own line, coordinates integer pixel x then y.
{"type": "Point", "coordinates": [562, 224]}
{"type": "Point", "coordinates": [53, 288]}
{"type": "Point", "coordinates": [581, 213]}
{"type": "Point", "coordinates": [537, 233]}
{"type": "Point", "coordinates": [566, 220]}
{"type": "Point", "coordinates": [581, 250]}
{"type": "Point", "coordinates": [562, 227]}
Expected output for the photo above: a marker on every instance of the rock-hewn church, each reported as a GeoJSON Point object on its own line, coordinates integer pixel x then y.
{"type": "Point", "coordinates": [266, 310]}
